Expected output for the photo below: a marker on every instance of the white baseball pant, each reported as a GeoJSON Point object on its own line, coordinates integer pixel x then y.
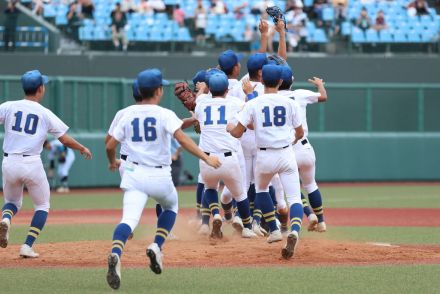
{"type": "Point", "coordinates": [226, 196]}
{"type": "Point", "coordinates": [63, 168]}
{"type": "Point", "coordinates": [305, 157]}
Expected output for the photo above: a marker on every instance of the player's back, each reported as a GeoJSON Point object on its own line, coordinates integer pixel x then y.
{"type": "Point", "coordinates": [274, 116]}
{"type": "Point", "coordinates": [146, 131]}
{"type": "Point", "coordinates": [27, 124]}
{"type": "Point", "coordinates": [118, 116]}
{"type": "Point", "coordinates": [213, 115]}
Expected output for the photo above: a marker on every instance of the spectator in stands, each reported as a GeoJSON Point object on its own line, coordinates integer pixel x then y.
{"type": "Point", "coordinates": [296, 21]}
{"type": "Point", "coordinates": [201, 20]}
{"type": "Point", "coordinates": [340, 8]}
{"type": "Point", "coordinates": [380, 23]}
{"type": "Point", "coordinates": [119, 21]}
{"type": "Point", "coordinates": [238, 10]}
{"type": "Point", "coordinates": [37, 7]}
{"type": "Point", "coordinates": [418, 7]}
{"type": "Point", "coordinates": [260, 6]}
{"type": "Point", "coordinates": [318, 7]}
{"type": "Point", "coordinates": [145, 8]}
{"type": "Point", "coordinates": [157, 5]}
{"type": "Point", "coordinates": [87, 8]}
{"type": "Point", "coordinates": [363, 21]}
{"type": "Point", "coordinates": [73, 20]}
{"type": "Point", "coordinates": [218, 7]}
{"type": "Point", "coordinates": [128, 6]}
{"type": "Point", "coordinates": [179, 15]}
{"type": "Point", "coordinates": [10, 24]}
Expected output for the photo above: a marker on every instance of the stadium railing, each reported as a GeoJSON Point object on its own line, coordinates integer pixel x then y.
{"type": "Point", "coordinates": [27, 36]}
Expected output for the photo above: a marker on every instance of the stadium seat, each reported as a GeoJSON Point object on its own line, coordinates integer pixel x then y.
{"type": "Point", "coordinates": [86, 33]}
{"type": "Point", "coordinates": [61, 20]}
{"type": "Point", "coordinates": [156, 35]}
{"type": "Point", "coordinates": [357, 35]}
{"type": "Point", "coordinates": [385, 36]}
{"type": "Point", "coordinates": [184, 35]}
{"type": "Point", "coordinates": [346, 28]}
{"type": "Point", "coordinates": [413, 36]}
{"type": "Point", "coordinates": [371, 36]}
{"type": "Point", "coordinates": [49, 11]}
{"type": "Point", "coordinates": [319, 36]}
{"type": "Point", "coordinates": [399, 37]}
{"type": "Point", "coordinates": [328, 14]}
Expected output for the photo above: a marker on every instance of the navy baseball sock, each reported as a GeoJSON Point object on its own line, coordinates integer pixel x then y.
{"type": "Point", "coordinates": [211, 196]}
{"type": "Point", "coordinates": [257, 214]}
{"type": "Point", "coordinates": [120, 236]}
{"type": "Point", "coordinates": [206, 213]}
{"type": "Point", "coordinates": [251, 196]}
{"type": "Point", "coordinates": [267, 209]}
{"type": "Point", "coordinates": [315, 200]}
{"type": "Point", "coordinates": [199, 195]}
{"type": "Point", "coordinates": [165, 224]}
{"type": "Point", "coordinates": [64, 182]}
{"type": "Point", "coordinates": [243, 209]}
{"type": "Point", "coordinates": [234, 209]}
{"type": "Point", "coordinates": [227, 208]}
{"type": "Point", "coordinates": [272, 195]}
{"type": "Point", "coordinates": [158, 210]}
{"type": "Point", "coordinates": [9, 210]}
{"type": "Point", "coordinates": [37, 225]}
{"type": "Point", "coordinates": [306, 206]}
{"type": "Point", "coordinates": [296, 215]}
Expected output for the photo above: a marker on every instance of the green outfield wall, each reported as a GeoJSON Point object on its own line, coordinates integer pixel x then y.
{"type": "Point", "coordinates": [365, 132]}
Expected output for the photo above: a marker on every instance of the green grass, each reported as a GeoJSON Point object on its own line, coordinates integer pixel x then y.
{"type": "Point", "coordinates": [344, 197]}
{"type": "Point", "coordinates": [343, 279]}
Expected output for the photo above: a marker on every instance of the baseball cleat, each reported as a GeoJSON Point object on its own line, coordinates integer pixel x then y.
{"type": "Point", "coordinates": [155, 256]}
{"type": "Point", "coordinates": [248, 233]}
{"type": "Point", "coordinates": [322, 227]}
{"type": "Point", "coordinates": [204, 230]}
{"type": "Point", "coordinates": [258, 230]}
{"type": "Point", "coordinates": [313, 222]}
{"type": "Point", "coordinates": [5, 224]}
{"type": "Point", "coordinates": [288, 250]}
{"type": "Point", "coordinates": [114, 271]}
{"type": "Point", "coordinates": [237, 224]}
{"type": "Point", "coordinates": [27, 252]}
{"type": "Point", "coordinates": [216, 232]}
{"type": "Point", "coordinates": [275, 236]}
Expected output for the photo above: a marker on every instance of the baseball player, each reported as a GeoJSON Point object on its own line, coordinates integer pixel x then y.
{"type": "Point", "coordinates": [65, 157]}
{"type": "Point", "coordinates": [304, 152]}
{"type": "Point", "coordinates": [27, 124]}
{"type": "Point", "coordinates": [273, 118]}
{"type": "Point", "coordinates": [146, 130]}
{"type": "Point", "coordinates": [213, 114]}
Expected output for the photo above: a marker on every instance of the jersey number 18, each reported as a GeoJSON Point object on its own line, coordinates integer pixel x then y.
{"type": "Point", "coordinates": [279, 116]}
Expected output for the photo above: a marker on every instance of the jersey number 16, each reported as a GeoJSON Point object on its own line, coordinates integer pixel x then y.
{"type": "Point", "coordinates": [150, 133]}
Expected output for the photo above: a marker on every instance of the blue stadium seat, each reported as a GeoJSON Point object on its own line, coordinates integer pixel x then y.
{"type": "Point", "coordinates": [156, 35]}
{"type": "Point", "coordinates": [49, 11]}
{"type": "Point", "coordinates": [142, 35]}
{"type": "Point", "coordinates": [86, 33]}
{"type": "Point", "coordinates": [346, 28]}
{"type": "Point", "coordinates": [328, 14]}
{"type": "Point", "coordinates": [428, 36]}
{"type": "Point", "coordinates": [399, 37]}
{"type": "Point", "coordinates": [61, 20]}
{"type": "Point", "coordinates": [184, 35]}
{"type": "Point", "coordinates": [371, 36]}
{"type": "Point", "coordinates": [308, 3]}
{"type": "Point", "coordinates": [414, 37]}
{"type": "Point", "coordinates": [357, 35]}
{"type": "Point", "coordinates": [385, 36]}
{"type": "Point", "coordinates": [131, 34]}
{"type": "Point", "coordinates": [319, 36]}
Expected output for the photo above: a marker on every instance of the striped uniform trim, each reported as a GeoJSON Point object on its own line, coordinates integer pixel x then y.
{"type": "Point", "coordinates": [161, 235]}
{"type": "Point", "coordinates": [213, 204]}
{"type": "Point", "coordinates": [269, 214]}
{"type": "Point", "coordinates": [205, 211]}
{"type": "Point", "coordinates": [36, 230]}
{"type": "Point", "coordinates": [119, 242]}
{"type": "Point", "coordinates": [318, 210]}
{"type": "Point", "coordinates": [305, 203]}
{"type": "Point", "coordinates": [30, 233]}
{"type": "Point", "coordinates": [117, 246]}
{"type": "Point", "coordinates": [258, 212]}
{"type": "Point", "coordinates": [270, 219]}
{"type": "Point", "coordinates": [8, 211]}
{"type": "Point", "coordinates": [198, 206]}
{"type": "Point", "coordinates": [166, 232]}
{"type": "Point", "coordinates": [295, 223]}
{"type": "Point", "coordinates": [246, 220]}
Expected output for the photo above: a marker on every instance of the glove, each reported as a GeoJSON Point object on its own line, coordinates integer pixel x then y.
{"type": "Point", "coordinates": [276, 13]}
{"type": "Point", "coordinates": [278, 59]}
{"type": "Point", "coordinates": [197, 128]}
{"type": "Point", "coordinates": [185, 95]}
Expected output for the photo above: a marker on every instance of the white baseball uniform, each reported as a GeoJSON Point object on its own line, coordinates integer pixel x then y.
{"type": "Point", "coordinates": [56, 148]}
{"type": "Point", "coordinates": [27, 124]}
{"type": "Point", "coordinates": [146, 131]}
{"type": "Point", "coordinates": [213, 115]}
{"type": "Point", "coordinates": [305, 155]}
{"type": "Point", "coordinates": [274, 117]}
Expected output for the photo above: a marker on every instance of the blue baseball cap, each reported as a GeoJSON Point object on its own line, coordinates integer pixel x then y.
{"type": "Point", "coordinates": [33, 79]}
{"type": "Point", "coordinates": [210, 72]}
{"type": "Point", "coordinates": [256, 61]}
{"type": "Point", "coordinates": [135, 88]}
{"type": "Point", "coordinates": [218, 82]}
{"type": "Point", "coordinates": [272, 73]}
{"type": "Point", "coordinates": [199, 77]}
{"type": "Point", "coordinates": [228, 59]}
{"type": "Point", "coordinates": [150, 79]}
{"type": "Point", "coordinates": [286, 73]}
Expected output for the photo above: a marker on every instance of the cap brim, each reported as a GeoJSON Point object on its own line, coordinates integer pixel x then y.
{"type": "Point", "coordinates": [165, 83]}
{"type": "Point", "coordinates": [45, 79]}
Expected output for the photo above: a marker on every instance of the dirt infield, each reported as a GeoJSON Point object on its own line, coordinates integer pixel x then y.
{"type": "Point", "coordinates": [397, 217]}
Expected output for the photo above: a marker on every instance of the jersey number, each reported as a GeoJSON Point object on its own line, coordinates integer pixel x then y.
{"type": "Point", "coordinates": [222, 112]}
{"type": "Point", "coordinates": [279, 116]}
{"type": "Point", "coordinates": [30, 126]}
{"type": "Point", "coordinates": [149, 130]}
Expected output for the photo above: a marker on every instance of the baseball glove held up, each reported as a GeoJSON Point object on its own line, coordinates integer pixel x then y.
{"type": "Point", "coordinates": [277, 14]}
{"type": "Point", "coordinates": [185, 95]}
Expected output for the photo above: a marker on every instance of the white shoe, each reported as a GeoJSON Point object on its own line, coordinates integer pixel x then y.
{"type": "Point", "coordinates": [258, 230]}
{"type": "Point", "coordinates": [5, 224]}
{"type": "Point", "coordinates": [322, 227]}
{"type": "Point", "coordinates": [313, 222]}
{"type": "Point", "coordinates": [60, 190]}
{"type": "Point", "coordinates": [204, 230]}
{"type": "Point", "coordinates": [217, 223]}
{"type": "Point", "coordinates": [27, 252]}
{"type": "Point", "coordinates": [237, 224]}
{"type": "Point", "coordinates": [275, 236]}
{"type": "Point", "coordinates": [278, 223]}
{"type": "Point", "coordinates": [155, 255]}
{"type": "Point", "coordinates": [289, 249]}
{"type": "Point", "coordinates": [248, 233]}
{"type": "Point", "coordinates": [114, 271]}
{"type": "Point", "coordinates": [172, 236]}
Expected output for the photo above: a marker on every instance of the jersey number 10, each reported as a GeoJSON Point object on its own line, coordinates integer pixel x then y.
{"type": "Point", "coordinates": [149, 130]}
{"type": "Point", "coordinates": [30, 126]}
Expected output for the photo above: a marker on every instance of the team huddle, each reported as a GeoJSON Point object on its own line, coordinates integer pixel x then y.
{"type": "Point", "coordinates": [253, 139]}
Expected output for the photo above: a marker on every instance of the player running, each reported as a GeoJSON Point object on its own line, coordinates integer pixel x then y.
{"type": "Point", "coordinates": [27, 124]}
{"type": "Point", "coordinates": [274, 117]}
{"type": "Point", "coordinates": [147, 130]}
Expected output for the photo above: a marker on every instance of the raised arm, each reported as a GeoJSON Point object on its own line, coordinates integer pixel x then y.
{"type": "Point", "coordinates": [264, 31]}
{"type": "Point", "coordinates": [320, 85]}
{"type": "Point", "coordinates": [68, 141]}
{"type": "Point", "coordinates": [282, 47]}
